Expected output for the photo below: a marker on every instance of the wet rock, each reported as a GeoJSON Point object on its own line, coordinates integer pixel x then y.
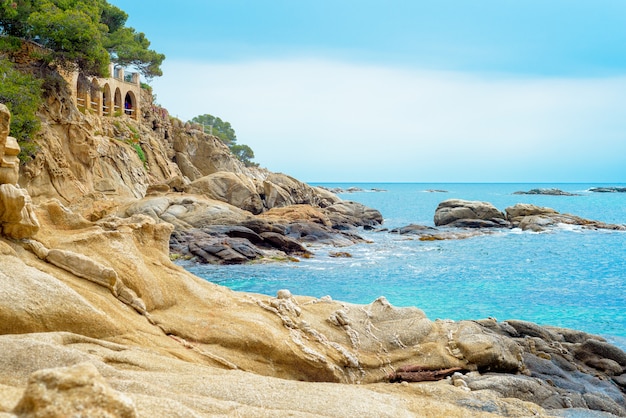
{"type": "Point", "coordinates": [284, 243]}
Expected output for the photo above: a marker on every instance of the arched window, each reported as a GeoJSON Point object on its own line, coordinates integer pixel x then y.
{"type": "Point", "coordinates": [130, 105]}
{"type": "Point", "coordinates": [107, 103]}
{"type": "Point", "coordinates": [117, 101]}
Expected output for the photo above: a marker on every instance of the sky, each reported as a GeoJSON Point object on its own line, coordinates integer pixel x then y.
{"type": "Point", "coordinates": [402, 90]}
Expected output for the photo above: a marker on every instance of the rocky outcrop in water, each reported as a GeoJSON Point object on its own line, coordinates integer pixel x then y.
{"type": "Point", "coordinates": [608, 189]}
{"type": "Point", "coordinates": [472, 214]}
{"type": "Point", "coordinates": [547, 192]}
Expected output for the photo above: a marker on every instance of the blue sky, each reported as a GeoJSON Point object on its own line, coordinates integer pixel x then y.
{"type": "Point", "coordinates": [444, 91]}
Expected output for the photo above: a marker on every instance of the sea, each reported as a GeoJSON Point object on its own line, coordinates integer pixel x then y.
{"type": "Point", "coordinates": [568, 277]}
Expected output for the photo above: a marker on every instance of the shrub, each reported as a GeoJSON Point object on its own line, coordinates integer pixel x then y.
{"type": "Point", "coordinates": [22, 94]}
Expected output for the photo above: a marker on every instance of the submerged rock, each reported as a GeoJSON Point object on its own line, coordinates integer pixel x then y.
{"type": "Point", "coordinates": [549, 192]}
{"type": "Point", "coordinates": [608, 189]}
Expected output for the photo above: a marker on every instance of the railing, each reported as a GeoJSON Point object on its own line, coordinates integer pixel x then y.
{"type": "Point", "coordinates": [80, 102]}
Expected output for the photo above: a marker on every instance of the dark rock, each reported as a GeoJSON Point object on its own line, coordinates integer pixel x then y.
{"type": "Point", "coordinates": [550, 192]}
{"type": "Point", "coordinates": [525, 328]}
{"type": "Point", "coordinates": [601, 349]}
{"type": "Point", "coordinates": [414, 229]}
{"type": "Point", "coordinates": [224, 250]}
{"type": "Point", "coordinates": [284, 243]}
{"type": "Point", "coordinates": [600, 402]}
{"type": "Point", "coordinates": [608, 189]}
{"type": "Point", "coordinates": [234, 231]}
{"type": "Point", "coordinates": [621, 381]}
{"type": "Point", "coordinates": [260, 225]}
{"type": "Point", "coordinates": [479, 223]}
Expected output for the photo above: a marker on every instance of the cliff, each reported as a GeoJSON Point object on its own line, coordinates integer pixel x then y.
{"type": "Point", "coordinates": [96, 320]}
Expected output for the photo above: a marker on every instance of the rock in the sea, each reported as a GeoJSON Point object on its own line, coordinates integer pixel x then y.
{"type": "Point", "coordinates": [608, 189]}
{"type": "Point", "coordinates": [549, 192]}
{"type": "Point", "coordinates": [453, 210]}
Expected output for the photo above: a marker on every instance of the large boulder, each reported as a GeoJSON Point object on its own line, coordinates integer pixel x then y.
{"type": "Point", "coordinates": [283, 190]}
{"type": "Point", "coordinates": [453, 210]}
{"type": "Point", "coordinates": [536, 218]}
{"type": "Point", "coordinates": [230, 188]}
{"type": "Point", "coordinates": [348, 213]}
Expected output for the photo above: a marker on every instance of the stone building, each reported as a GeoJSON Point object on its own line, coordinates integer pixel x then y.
{"type": "Point", "coordinates": [113, 96]}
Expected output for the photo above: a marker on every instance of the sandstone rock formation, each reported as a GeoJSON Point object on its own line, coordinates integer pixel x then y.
{"type": "Point", "coordinates": [17, 217]}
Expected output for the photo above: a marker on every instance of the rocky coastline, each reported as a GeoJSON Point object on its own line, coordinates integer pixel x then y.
{"type": "Point", "coordinates": [97, 320]}
{"type": "Point", "coordinates": [459, 219]}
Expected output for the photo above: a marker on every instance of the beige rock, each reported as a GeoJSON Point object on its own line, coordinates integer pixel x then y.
{"type": "Point", "coordinates": [10, 163]}
{"type": "Point", "coordinates": [83, 266]}
{"type": "Point", "coordinates": [72, 391]}
{"type": "Point", "coordinates": [17, 215]}
{"type": "Point", "coordinates": [524, 209]}
{"type": "Point", "coordinates": [451, 210]}
{"type": "Point", "coordinates": [230, 188]}
{"type": "Point", "coordinates": [12, 201]}
{"type": "Point", "coordinates": [297, 213]}
{"type": "Point", "coordinates": [5, 126]}
{"type": "Point", "coordinates": [162, 385]}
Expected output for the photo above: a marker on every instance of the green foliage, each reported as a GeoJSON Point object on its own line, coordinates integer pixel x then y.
{"type": "Point", "coordinates": [21, 93]}
{"type": "Point", "coordinates": [83, 33]}
{"type": "Point", "coordinates": [224, 131]}
{"type": "Point", "coordinates": [216, 126]}
{"type": "Point", "coordinates": [129, 48]}
{"type": "Point", "coordinates": [140, 153]}
{"type": "Point", "coordinates": [10, 44]}
{"type": "Point", "coordinates": [244, 154]}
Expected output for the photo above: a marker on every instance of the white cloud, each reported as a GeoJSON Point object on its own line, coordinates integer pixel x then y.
{"type": "Point", "coordinates": [330, 121]}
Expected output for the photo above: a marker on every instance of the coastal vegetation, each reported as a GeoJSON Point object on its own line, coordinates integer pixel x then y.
{"type": "Point", "coordinates": [22, 94]}
{"type": "Point", "coordinates": [83, 34]}
{"type": "Point", "coordinates": [75, 35]}
{"type": "Point", "coordinates": [224, 131]}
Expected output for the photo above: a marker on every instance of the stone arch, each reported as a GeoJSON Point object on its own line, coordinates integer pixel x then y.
{"type": "Point", "coordinates": [117, 101]}
{"type": "Point", "coordinates": [95, 96]}
{"type": "Point", "coordinates": [107, 102]}
{"type": "Point", "coordinates": [130, 104]}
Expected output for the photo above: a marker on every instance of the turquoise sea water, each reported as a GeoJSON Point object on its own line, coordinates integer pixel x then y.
{"type": "Point", "coordinates": [570, 277]}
